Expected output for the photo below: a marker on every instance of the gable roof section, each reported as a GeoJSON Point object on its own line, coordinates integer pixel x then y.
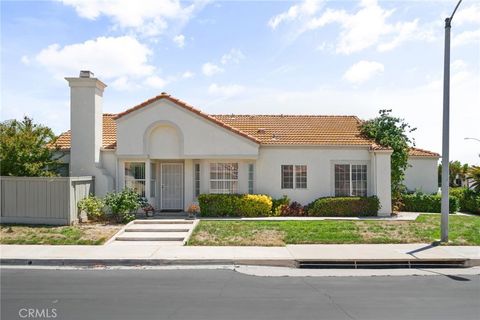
{"type": "Point", "coordinates": [269, 130]}
{"type": "Point", "coordinates": [188, 107]}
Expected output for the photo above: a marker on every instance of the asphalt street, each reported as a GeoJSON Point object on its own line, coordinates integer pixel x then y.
{"type": "Point", "coordinates": [226, 294]}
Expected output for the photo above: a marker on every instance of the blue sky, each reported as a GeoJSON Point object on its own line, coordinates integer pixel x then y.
{"type": "Point", "coordinates": [291, 57]}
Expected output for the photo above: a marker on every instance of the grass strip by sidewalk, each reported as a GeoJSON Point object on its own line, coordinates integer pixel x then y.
{"type": "Point", "coordinates": [464, 230]}
{"type": "Point", "coordinates": [83, 234]}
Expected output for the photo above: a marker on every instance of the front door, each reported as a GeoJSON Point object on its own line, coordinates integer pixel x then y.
{"type": "Point", "coordinates": [171, 186]}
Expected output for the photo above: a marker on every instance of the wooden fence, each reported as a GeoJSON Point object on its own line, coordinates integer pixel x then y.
{"type": "Point", "coordinates": [43, 200]}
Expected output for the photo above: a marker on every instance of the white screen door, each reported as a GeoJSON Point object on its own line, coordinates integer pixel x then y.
{"type": "Point", "coordinates": [171, 186]}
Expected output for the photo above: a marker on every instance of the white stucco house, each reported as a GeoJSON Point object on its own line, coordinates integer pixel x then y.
{"type": "Point", "coordinates": [171, 152]}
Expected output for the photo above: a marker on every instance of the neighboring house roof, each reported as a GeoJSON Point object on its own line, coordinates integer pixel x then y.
{"type": "Point", "coordinates": [264, 129]}
{"type": "Point", "coordinates": [416, 152]}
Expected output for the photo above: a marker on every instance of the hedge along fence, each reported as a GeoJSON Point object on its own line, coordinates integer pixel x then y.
{"type": "Point", "coordinates": [419, 202]}
{"type": "Point", "coordinates": [235, 205]}
{"type": "Point", "coordinates": [344, 207]}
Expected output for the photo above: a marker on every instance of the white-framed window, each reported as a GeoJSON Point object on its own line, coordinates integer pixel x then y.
{"type": "Point", "coordinates": [251, 177]}
{"type": "Point", "coordinates": [153, 179]}
{"type": "Point", "coordinates": [350, 180]}
{"type": "Point", "coordinates": [135, 177]}
{"type": "Point", "coordinates": [197, 179]}
{"type": "Point", "coordinates": [294, 176]}
{"type": "Point", "coordinates": [223, 177]}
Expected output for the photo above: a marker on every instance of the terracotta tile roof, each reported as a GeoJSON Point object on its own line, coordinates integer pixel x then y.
{"type": "Point", "coordinates": [416, 152]}
{"type": "Point", "coordinates": [299, 129]}
{"type": "Point", "coordinates": [185, 105]}
{"type": "Point", "coordinates": [109, 140]}
{"type": "Point", "coordinates": [264, 129]}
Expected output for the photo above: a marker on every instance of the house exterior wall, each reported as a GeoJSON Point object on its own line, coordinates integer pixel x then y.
{"type": "Point", "coordinates": [422, 175]}
{"type": "Point", "coordinates": [190, 135]}
{"type": "Point", "coordinates": [320, 167]}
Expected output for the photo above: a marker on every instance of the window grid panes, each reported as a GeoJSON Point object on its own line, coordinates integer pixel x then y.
{"type": "Point", "coordinates": [350, 180]}
{"type": "Point", "coordinates": [153, 179]}
{"type": "Point", "coordinates": [301, 177]}
{"type": "Point", "coordinates": [251, 178]}
{"type": "Point", "coordinates": [287, 177]}
{"type": "Point", "coordinates": [223, 178]}
{"type": "Point", "coordinates": [342, 180]}
{"type": "Point", "coordinates": [135, 177]}
{"type": "Point", "coordinates": [359, 180]}
{"type": "Point", "coordinates": [197, 179]}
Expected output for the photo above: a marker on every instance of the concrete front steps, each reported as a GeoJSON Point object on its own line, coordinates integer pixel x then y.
{"type": "Point", "coordinates": [172, 231]}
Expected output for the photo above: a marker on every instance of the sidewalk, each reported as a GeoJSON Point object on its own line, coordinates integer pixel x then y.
{"type": "Point", "coordinates": [287, 256]}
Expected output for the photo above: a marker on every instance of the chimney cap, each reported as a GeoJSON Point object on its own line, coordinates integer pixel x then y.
{"type": "Point", "coordinates": [86, 74]}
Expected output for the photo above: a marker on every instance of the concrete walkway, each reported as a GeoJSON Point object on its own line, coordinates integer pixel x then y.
{"type": "Point", "coordinates": [155, 254]}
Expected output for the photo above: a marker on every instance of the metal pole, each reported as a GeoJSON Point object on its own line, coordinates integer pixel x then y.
{"type": "Point", "coordinates": [446, 129]}
{"type": "Point", "coordinates": [446, 134]}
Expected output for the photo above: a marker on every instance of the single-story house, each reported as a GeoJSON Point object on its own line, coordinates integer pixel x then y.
{"type": "Point", "coordinates": [171, 152]}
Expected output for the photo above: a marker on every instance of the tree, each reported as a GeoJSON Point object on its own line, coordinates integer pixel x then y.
{"type": "Point", "coordinates": [474, 175]}
{"type": "Point", "coordinates": [391, 132]}
{"type": "Point", "coordinates": [457, 173]}
{"type": "Point", "coordinates": [25, 149]}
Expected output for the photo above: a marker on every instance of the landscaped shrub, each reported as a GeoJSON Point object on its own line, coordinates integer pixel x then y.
{"type": "Point", "coordinates": [278, 203]}
{"type": "Point", "coordinates": [344, 206]}
{"type": "Point", "coordinates": [419, 202]}
{"type": "Point", "coordinates": [93, 207]}
{"type": "Point", "coordinates": [235, 205]}
{"type": "Point", "coordinates": [123, 205]}
{"type": "Point", "coordinates": [469, 200]}
{"type": "Point", "coordinates": [294, 209]}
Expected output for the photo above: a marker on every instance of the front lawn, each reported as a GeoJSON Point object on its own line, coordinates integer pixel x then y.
{"type": "Point", "coordinates": [86, 234]}
{"type": "Point", "coordinates": [464, 230]}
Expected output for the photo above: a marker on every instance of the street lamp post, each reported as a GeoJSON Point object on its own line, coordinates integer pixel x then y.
{"type": "Point", "coordinates": [446, 129]}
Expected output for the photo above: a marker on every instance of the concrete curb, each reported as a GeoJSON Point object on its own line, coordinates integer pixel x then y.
{"type": "Point", "coordinates": [289, 263]}
{"type": "Point", "coordinates": [146, 262]}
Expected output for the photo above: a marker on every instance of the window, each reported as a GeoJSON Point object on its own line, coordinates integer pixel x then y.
{"type": "Point", "coordinates": [301, 177]}
{"type": "Point", "coordinates": [223, 177]}
{"type": "Point", "coordinates": [153, 179]}
{"type": "Point", "coordinates": [294, 178]}
{"type": "Point", "coordinates": [350, 180]}
{"type": "Point", "coordinates": [251, 178]}
{"type": "Point", "coordinates": [135, 176]}
{"type": "Point", "coordinates": [197, 179]}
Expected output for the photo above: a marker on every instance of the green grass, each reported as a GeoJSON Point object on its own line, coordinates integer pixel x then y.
{"type": "Point", "coordinates": [464, 230]}
{"type": "Point", "coordinates": [85, 234]}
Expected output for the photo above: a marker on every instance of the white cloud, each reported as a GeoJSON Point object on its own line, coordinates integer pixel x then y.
{"type": "Point", "coordinates": [305, 9]}
{"type": "Point", "coordinates": [25, 60]}
{"type": "Point", "coordinates": [149, 17]}
{"type": "Point", "coordinates": [108, 57]}
{"type": "Point", "coordinates": [225, 90]}
{"type": "Point", "coordinates": [458, 65]}
{"type": "Point", "coordinates": [156, 82]}
{"type": "Point", "coordinates": [363, 71]}
{"type": "Point", "coordinates": [366, 27]}
{"type": "Point", "coordinates": [466, 15]}
{"type": "Point", "coordinates": [188, 74]}
{"type": "Point", "coordinates": [179, 40]}
{"type": "Point", "coordinates": [209, 69]}
{"type": "Point", "coordinates": [233, 56]}
{"type": "Point", "coordinates": [466, 37]}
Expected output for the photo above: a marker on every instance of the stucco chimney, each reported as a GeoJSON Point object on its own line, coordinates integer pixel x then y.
{"type": "Point", "coordinates": [86, 95]}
